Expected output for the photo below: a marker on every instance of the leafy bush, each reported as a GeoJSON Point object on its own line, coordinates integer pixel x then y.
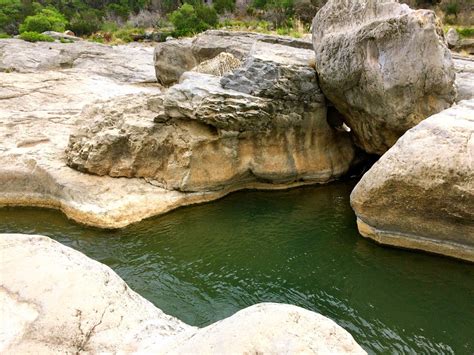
{"type": "Point", "coordinates": [188, 20]}
{"type": "Point", "coordinates": [4, 35]}
{"type": "Point", "coordinates": [120, 10]}
{"type": "Point", "coordinates": [48, 19]}
{"type": "Point", "coordinates": [465, 31]}
{"type": "Point", "coordinates": [10, 15]}
{"type": "Point", "coordinates": [451, 8]}
{"type": "Point", "coordinates": [126, 34]}
{"type": "Point", "coordinates": [85, 22]}
{"type": "Point", "coordinates": [222, 6]}
{"type": "Point", "coordinates": [35, 37]}
{"type": "Point", "coordinates": [207, 14]}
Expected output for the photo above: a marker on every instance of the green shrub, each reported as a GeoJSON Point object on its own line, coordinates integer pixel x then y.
{"type": "Point", "coordinates": [222, 6]}
{"type": "Point", "coordinates": [48, 19]}
{"type": "Point", "coordinates": [207, 14]}
{"type": "Point", "coordinates": [35, 37]}
{"type": "Point", "coordinates": [466, 31]}
{"type": "Point", "coordinates": [126, 34]}
{"type": "Point", "coordinates": [4, 35]}
{"type": "Point", "coordinates": [451, 8]}
{"type": "Point", "coordinates": [85, 22]}
{"type": "Point", "coordinates": [120, 10]}
{"type": "Point", "coordinates": [187, 20]}
{"type": "Point", "coordinates": [10, 15]}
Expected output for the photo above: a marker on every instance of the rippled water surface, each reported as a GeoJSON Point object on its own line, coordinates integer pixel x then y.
{"type": "Point", "coordinates": [301, 246]}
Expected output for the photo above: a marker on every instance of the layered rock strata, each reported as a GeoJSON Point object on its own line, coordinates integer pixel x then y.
{"type": "Point", "coordinates": [60, 301]}
{"type": "Point", "coordinates": [420, 194]}
{"type": "Point", "coordinates": [264, 122]}
{"type": "Point", "coordinates": [384, 66]}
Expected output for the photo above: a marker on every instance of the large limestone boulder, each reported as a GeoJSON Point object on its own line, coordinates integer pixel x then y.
{"type": "Point", "coordinates": [263, 124]}
{"type": "Point", "coordinates": [54, 299]}
{"type": "Point", "coordinates": [420, 194]}
{"type": "Point", "coordinates": [384, 66]}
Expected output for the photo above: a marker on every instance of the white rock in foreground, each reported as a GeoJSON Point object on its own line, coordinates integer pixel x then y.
{"type": "Point", "coordinates": [54, 299]}
{"type": "Point", "coordinates": [420, 194]}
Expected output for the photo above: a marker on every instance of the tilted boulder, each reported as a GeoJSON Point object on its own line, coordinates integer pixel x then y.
{"type": "Point", "coordinates": [262, 125]}
{"type": "Point", "coordinates": [420, 194]}
{"type": "Point", "coordinates": [385, 67]}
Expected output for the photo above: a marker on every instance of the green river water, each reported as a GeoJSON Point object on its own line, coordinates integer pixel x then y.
{"type": "Point", "coordinates": [301, 246]}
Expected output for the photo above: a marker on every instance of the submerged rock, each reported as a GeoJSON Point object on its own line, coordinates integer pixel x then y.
{"type": "Point", "coordinates": [384, 66]}
{"type": "Point", "coordinates": [60, 301]}
{"type": "Point", "coordinates": [263, 123]}
{"type": "Point", "coordinates": [420, 194]}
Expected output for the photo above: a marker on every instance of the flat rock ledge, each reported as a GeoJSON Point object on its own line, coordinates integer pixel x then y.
{"type": "Point", "coordinates": [420, 194]}
{"type": "Point", "coordinates": [60, 301]}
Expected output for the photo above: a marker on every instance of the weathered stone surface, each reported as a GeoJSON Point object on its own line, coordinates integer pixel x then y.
{"type": "Point", "coordinates": [60, 301]}
{"type": "Point", "coordinates": [420, 193]}
{"type": "Point", "coordinates": [265, 122]}
{"type": "Point", "coordinates": [64, 36]}
{"type": "Point", "coordinates": [174, 57]}
{"type": "Point", "coordinates": [384, 66]}
{"type": "Point", "coordinates": [452, 37]}
{"type": "Point", "coordinates": [464, 76]}
{"type": "Point", "coordinates": [127, 63]}
{"type": "Point", "coordinates": [203, 126]}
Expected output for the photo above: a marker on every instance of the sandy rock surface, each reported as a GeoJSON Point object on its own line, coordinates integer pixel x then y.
{"type": "Point", "coordinates": [60, 301]}
{"type": "Point", "coordinates": [420, 194]}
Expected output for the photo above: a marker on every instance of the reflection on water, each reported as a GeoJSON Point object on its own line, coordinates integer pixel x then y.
{"type": "Point", "coordinates": [300, 246]}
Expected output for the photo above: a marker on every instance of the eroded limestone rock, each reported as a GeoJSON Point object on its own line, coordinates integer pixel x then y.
{"type": "Point", "coordinates": [420, 193]}
{"type": "Point", "coordinates": [60, 301]}
{"type": "Point", "coordinates": [265, 122]}
{"type": "Point", "coordinates": [199, 136]}
{"type": "Point", "coordinates": [384, 66]}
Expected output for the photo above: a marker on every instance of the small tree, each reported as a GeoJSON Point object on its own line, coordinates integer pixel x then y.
{"type": "Point", "coordinates": [48, 19]}
{"type": "Point", "coordinates": [188, 20]}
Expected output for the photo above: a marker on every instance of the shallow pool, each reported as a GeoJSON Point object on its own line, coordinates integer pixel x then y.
{"type": "Point", "coordinates": [300, 246]}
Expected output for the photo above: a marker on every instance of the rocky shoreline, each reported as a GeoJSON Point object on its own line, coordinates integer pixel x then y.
{"type": "Point", "coordinates": [47, 311]}
{"type": "Point", "coordinates": [113, 135]}
{"type": "Point", "coordinates": [87, 129]}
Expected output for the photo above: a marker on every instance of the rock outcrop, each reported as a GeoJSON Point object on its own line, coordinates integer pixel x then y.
{"type": "Point", "coordinates": [173, 58]}
{"type": "Point", "coordinates": [60, 301]}
{"type": "Point", "coordinates": [265, 122]}
{"type": "Point", "coordinates": [420, 194]}
{"type": "Point", "coordinates": [384, 66]}
{"type": "Point", "coordinates": [464, 76]}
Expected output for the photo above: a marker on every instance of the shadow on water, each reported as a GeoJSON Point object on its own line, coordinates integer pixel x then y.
{"type": "Point", "coordinates": [299, 246]}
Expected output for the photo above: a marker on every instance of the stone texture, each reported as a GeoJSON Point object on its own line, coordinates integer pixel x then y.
{"type": "Point", "coordinates": [127, 63]}
{"type": "Point", "coordinates": [60, 301]}
{"type": "Point", "coordinates": [265, 122]}
{"type": "Point", "coordinates": [452, 37]}
{"type": "Point", "coordinates": [173, 58]}
{"type": "Point", "coordinates": [420, 193]}
{"type": "Point", "coordinates": [384, 66]}
{"type": "Point", "coordinates": [464, 76]}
